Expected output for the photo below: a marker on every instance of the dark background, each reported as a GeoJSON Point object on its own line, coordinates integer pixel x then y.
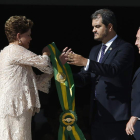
{"type": "Point", "coordinates": [74, 2]}
{"type": "Point", "coordinates": [67, 24]}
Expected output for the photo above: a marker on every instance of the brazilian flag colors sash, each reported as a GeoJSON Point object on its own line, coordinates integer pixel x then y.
{"type": "Point", "coordinates": [66, 93]}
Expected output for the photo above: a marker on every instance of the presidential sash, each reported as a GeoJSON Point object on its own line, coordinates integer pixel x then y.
{"type": "Point", "coordinates": [66, 93]}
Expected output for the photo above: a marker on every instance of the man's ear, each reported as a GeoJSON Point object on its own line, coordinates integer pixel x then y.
{"type": "Point", "coordinates": [18, 36]}
{"type": "Point", "coordinates": [110, 27]}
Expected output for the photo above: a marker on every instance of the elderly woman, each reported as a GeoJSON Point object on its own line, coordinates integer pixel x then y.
{"type": "Point", "coordinates": [18, 83]}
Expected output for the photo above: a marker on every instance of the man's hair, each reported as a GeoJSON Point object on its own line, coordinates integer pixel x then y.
{"type": "Point", "coordinates": [107, 17]}
{"type": "Point", "coordinates": [17, 24]}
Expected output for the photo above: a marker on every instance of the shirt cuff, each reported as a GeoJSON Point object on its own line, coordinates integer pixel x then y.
{"type": "Point", "coordinates": [87, 66]}
{"type": "Point", "coordinates": [138, 119]}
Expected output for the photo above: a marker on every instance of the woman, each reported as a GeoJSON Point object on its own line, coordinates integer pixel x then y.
{"type": "Point", "coordinates": [18, 84]}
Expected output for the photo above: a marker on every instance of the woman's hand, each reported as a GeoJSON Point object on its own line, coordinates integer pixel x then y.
{"type": "Point", "coordinates": [64, 55]}
{"type": "Point", "coordinates": [46, 51]}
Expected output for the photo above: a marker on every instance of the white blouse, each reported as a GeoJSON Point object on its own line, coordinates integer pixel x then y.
{"type": "Point", "coordinates": [18, 83]}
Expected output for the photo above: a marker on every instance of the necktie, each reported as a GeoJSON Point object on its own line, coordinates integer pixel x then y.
{"type": "Point", "coordinates": [102, 52]}
{"type": "Point", "coordinates": [101, 57]}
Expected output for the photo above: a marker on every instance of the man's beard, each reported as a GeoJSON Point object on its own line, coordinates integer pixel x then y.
{"type": "Point", "coordinates": [103, 36]}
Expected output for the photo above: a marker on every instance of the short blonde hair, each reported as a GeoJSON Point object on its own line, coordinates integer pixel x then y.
{"type": "Point", "coordinates": [17, 24]}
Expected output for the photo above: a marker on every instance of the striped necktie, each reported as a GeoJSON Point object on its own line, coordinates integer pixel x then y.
{"type": "Point", "coordinates": [102, 53]}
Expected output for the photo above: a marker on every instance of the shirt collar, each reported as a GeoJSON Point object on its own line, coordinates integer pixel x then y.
{"type": "Point", "coordinates": [108, 44]}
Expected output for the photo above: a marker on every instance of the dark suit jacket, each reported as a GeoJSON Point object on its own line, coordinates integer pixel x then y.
{"type": "Point", "coordinates": [135, 103]}
{"type": "Point", "coordinates": [111, 79]}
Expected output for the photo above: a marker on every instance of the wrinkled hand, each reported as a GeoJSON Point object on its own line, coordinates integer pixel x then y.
{"type": "Point", "coordinates": [130, 125]}
{"type": "Point", "coordinates": [64, 55]}
{"type": "Point", "coordinates": [75, 59]}
{"type": "Point", "coordinates": [46, 51]}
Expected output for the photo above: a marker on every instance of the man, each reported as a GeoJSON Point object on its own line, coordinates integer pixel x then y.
{"type": "Point", "coordinates": [135, 102]}
{"type": "Point", "coordinates": [108, 70]}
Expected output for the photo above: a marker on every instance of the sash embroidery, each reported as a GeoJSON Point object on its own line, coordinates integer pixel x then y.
{"type": "Point", "coordinates": [66, 93]}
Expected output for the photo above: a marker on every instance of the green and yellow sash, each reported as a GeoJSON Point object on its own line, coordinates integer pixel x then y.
{"type": "Point", "coordinates": [66, 93]}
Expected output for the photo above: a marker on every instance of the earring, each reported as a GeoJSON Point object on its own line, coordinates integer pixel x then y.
{"type": "Point", "coordinates": [19, 42]}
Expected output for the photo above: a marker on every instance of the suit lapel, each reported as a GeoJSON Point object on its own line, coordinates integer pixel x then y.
{"type": "Point", "coordinates": [136, 73]}
{"type": "Point", "coordinates": [97, 52]}
{"type": "Point", "coordinates": [110, 49]}
{"type": "Point", "coordinates": [113, 46]}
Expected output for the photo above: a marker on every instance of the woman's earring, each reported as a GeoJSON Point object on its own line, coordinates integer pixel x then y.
{"type": "Point", "coordinates": [19, 42]}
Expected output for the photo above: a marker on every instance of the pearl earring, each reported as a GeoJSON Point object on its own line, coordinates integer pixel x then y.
{"type": "Point", "coordinates": [19, 42]}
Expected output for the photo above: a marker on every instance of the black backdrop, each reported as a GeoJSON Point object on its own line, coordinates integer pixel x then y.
{"type": "Point", "coordinates": [66, 26]}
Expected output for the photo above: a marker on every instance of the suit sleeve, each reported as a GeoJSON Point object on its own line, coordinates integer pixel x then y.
{"type": "Point", "coordinates": [135, 97]}
{"type": "Point", "coordinates": [136, 112]}
{"type": "Point", "coordinates": [82, 78]}
{"type": "Point", "coordinates": [124, 57]}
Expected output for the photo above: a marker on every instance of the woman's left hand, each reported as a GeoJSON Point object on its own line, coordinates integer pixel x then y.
{"type": "Point", "coordinates": [46, 51]}
{"type": "Point", "coordinates": [64, 55]}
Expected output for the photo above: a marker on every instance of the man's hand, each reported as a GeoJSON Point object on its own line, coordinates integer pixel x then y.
{"type": "Point", "coordinates": [46, 51]}
{"type": "Point", "coordinates": [75, 59]}
{"type": "Point", "coordinates": [130, 125]}
{"type": "Point", "coordinates": [64, 55]}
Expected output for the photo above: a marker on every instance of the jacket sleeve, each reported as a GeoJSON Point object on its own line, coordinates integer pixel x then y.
{"type": "Point", "coordinates": [136, 112]}
{"type": "Point", "coordinates": [135, 96]}
{"type": "Point", "coordinates": [43, 82]}
{"type": "Point", "coordinates": [22, 56]}
{"type": "Point", "coordinates": [124, 57]}
{"type": "Point", "coordinates": [83, 78]}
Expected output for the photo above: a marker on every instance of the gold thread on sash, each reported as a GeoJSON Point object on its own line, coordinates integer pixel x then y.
{"type": "Point", "coordinates": [61, 77]}
{"type": "Point", "coordinates": [70, 87]}
{"type": "Point", "coordinates": [75, 134]}
{"type": "Point", "coordinates": [63, 134]}
{"type": "Point", "coordinates": [67, 120]}
{"type": "Point", "coordinates": [69, 128]}
{"type": "Point", "coordinates": [73, 103]}
{"type": "Point", "coordinates": [63, 86]}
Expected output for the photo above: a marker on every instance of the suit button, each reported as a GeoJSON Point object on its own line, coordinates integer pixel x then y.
{"type": "Point", "coordinates": [96, 82]}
